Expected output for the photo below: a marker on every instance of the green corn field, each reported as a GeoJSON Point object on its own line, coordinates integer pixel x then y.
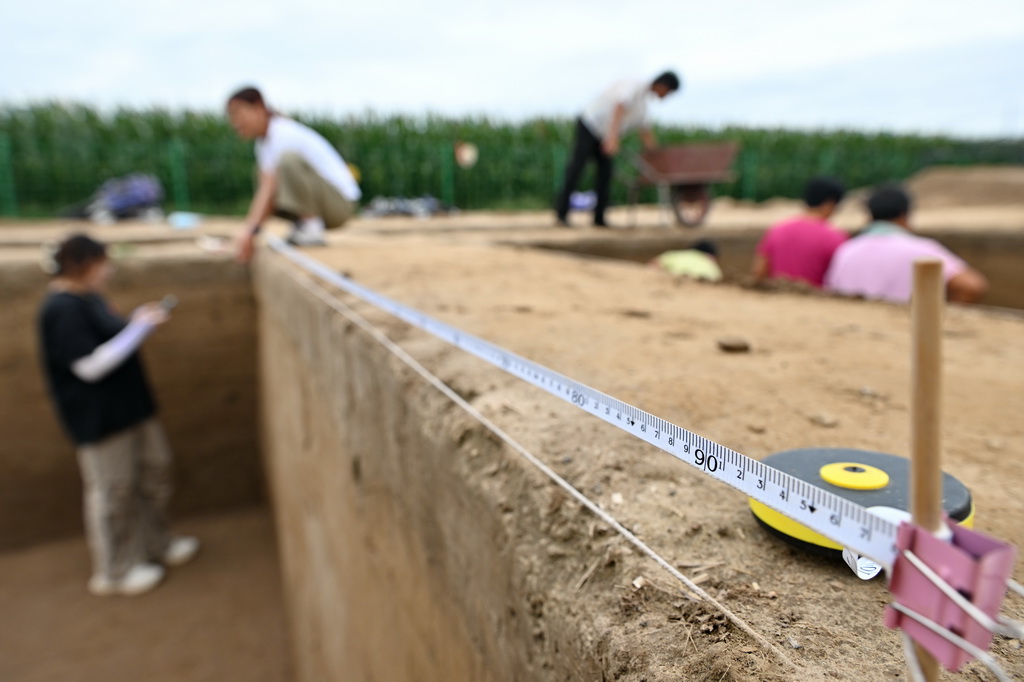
{"type": "Point", "coordinates": [55, 155]}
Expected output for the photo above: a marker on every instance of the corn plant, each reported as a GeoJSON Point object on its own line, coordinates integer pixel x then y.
{"type": "Point", "coordinates": [53, 155]}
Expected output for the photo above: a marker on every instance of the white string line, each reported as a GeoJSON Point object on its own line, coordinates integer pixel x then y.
{"type": "Point", "coordinates": [414, 364]}
{"type": "Point", "coordinates": [1015, 627]}
{"type": "Point", "coordinates": [876, 537]}
{"type": "Point", "coordinates": [1006, 628]}
{"type": "Point", "coordinates": [979, 653]}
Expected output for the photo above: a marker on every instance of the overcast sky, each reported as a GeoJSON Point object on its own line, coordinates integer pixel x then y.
{"type": "Point", "coordinates": [913, 65]}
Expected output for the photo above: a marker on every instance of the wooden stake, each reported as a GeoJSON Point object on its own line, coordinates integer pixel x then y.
{"type": "Point", "coordinates": [925, 412]}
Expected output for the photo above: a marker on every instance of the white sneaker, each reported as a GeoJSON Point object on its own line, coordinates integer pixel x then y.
{"type": "Point", "coordinates": [139, 579]}
{"type": "Point", "coordinates": [308, 232]}
{"type": "Point", "coordinates": [301, 238]}
{"type": "Point", "coordinates": [181, 550]}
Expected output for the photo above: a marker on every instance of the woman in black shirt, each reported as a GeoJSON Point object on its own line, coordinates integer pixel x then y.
{"type": "Point", "coordinates": [99, 387]}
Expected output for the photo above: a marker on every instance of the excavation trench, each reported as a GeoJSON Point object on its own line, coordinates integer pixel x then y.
{"type": "Point", "coordinates": [416, 546]}
{"type": "Point", "coordinates": [998, 255]}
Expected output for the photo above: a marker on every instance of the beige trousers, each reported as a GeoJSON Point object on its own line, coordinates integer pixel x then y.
{"type": "Point", "coordinates": [302, 192]}
{"type": "Point", "coordinates": [128, 484]}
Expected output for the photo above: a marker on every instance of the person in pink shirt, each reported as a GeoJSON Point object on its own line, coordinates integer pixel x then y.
{"type": "Point", "coordinates": [801, 248]}
{"type": "Point", "coordinates": [879, 262]}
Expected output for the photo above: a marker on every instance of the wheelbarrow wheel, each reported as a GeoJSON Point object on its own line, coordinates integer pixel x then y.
{"type": "Point", "coordinates": [690, 204]}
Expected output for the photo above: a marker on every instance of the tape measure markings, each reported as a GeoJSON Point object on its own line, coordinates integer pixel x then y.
{"type": "Point", "coordinates": [831, 515]}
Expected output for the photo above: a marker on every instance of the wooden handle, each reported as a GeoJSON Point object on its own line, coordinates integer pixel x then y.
{"type": "Point", "coordinates": [925, 412]}
{"type": "Point", "coordinates": [925, 446]}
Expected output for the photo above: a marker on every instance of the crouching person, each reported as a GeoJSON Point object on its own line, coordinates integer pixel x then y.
{"type": "Point", "coordinates": [302, 178]}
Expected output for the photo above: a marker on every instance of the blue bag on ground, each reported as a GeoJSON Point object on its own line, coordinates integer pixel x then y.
{"type": "Point", "coordinates": [130, 196]}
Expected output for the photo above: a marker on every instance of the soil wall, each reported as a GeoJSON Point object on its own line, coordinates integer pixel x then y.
{"type": "Point", "coordinates": [203, 368]}
{"type": "Point", "coordinates": [409, 540]}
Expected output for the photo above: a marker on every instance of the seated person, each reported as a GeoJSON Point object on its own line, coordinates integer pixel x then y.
{"type": "Point", "coordinates": [301, 176]}
{"type": "Point", "coordinates": [801, 248]}
{"type": "Point", "coordinates": [700, 262]}
{"type": "Point", "coordinates": [879, 262]}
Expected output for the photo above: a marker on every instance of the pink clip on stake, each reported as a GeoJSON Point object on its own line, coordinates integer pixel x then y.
{"type": "Point", "coordinates": [974, 565]}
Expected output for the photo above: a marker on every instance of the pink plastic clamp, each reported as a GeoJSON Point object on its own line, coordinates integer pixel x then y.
{"type": "Point", "coordinates": [973, 564]}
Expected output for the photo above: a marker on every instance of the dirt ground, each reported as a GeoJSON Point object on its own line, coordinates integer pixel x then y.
{"type": "Point", "coordinates": [217, 618]}
{"type": "Point", "coordinates": [968, 186]}
{"type": "Point", "coordinates": [822, 372]}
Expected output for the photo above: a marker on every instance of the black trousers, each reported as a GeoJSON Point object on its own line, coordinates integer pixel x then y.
{"type": "Point", "coordinates": [586, 146]}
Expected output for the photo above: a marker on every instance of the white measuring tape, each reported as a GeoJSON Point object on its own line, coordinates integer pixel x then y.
{"type": "Point", "coordinates": [834, 517]}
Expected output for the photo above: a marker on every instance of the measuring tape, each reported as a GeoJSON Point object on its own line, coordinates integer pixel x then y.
{"type": "Point", "coordinates": [846, 523]}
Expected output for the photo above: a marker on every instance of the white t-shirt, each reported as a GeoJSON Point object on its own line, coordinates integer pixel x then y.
{"type": "Point", "coordinates": [285, 135]}
{"type": "Point", "coordinates": [632, 94]}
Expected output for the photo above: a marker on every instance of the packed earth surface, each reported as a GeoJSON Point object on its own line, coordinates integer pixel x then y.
{"type": "Point", "coordinates": [820, 372]}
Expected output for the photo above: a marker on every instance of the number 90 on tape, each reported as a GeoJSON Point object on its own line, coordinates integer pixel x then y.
{"type": "Point", "coordinates": [833, 516]}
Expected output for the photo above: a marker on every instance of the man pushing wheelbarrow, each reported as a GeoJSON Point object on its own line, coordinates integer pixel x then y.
{"type": "Point", "coordinates": [617, 111]}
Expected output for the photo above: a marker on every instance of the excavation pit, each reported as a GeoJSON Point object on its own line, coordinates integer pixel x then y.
{"type": "Point", "coordinates": [415, 545]}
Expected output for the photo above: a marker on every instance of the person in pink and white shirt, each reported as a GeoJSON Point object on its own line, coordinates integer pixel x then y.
{"type": "Point", "coordinates": [801, 248]}
{"type": "Point", "coordinates": [879, 262]}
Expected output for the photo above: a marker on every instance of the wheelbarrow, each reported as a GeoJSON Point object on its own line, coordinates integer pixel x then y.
{"type": "Point", "coordinates": [683, 175]}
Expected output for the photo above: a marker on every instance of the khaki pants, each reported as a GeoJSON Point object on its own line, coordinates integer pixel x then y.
{"type": "Point", "coordinates": [128, 485]}
{"type": "Point", "coordinates": [302, 192]}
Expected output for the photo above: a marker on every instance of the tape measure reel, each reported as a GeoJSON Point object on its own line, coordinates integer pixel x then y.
{"type": "Point", "coordinates": [863, 477]}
